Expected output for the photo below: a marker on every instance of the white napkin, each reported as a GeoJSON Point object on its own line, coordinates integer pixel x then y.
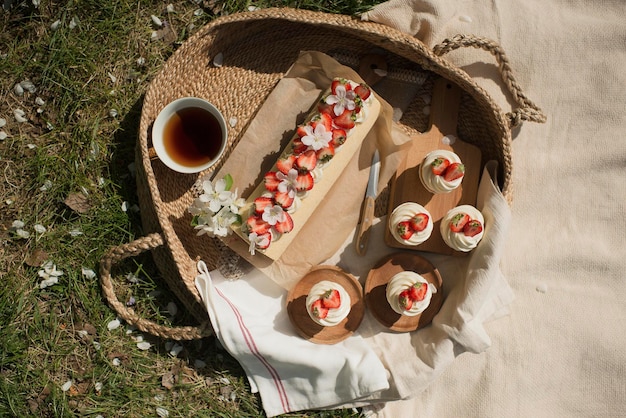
{"type": "Point", "coordinates": [289, 372]}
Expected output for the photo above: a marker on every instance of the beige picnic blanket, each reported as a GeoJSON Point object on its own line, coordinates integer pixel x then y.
{"type": "Point", "coordinates": [562, 349]}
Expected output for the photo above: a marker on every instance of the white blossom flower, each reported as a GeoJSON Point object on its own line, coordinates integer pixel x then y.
{"type": "Point", "coordinates": [31, 146]}
{"type": "Point", "coordinates": [141, 61]}
{"type": "Point", "coordinates": [49, 274]}
{"type": "Point", "coordinates": [256, 240]}
{"type": "Point", "coordinates": [317, 138]}
{"type": "Point", "coordinates": [216, 196]}
{"type": "Point", "coordinates": [273, 214]}
{"type": "Point", "coordinates": [342, 99]}
{"type": "Point", "coordinates": [288, 182]}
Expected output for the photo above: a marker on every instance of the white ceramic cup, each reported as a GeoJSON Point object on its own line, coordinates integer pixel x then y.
{"type": "Point", "coordinates": [165, 143]}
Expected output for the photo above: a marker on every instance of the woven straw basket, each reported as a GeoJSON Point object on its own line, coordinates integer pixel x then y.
{"type": "Point", "coordinates": [259, 47]}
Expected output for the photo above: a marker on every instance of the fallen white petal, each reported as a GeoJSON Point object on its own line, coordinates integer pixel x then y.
{"type": "Point", "coordinates": [218, 60]}
{"type": "Point", "coordinates": [74, 22]}
{"type": "Point", "coordinates": [46, 186]}
{"type": "Point", "coordinates": [172, 308]}
{"type": "Point", "coordinates": [36, 3]}
{"type": "Point", "coordinates": [22, 233]}
{"type": "Point", "coordinates": [96, 345]}
{"type": "Point", "coordinates": [141, 61]}
{"type": "Point", "coordinates": [31, 146]}
{"type": "Point", "coordinates": [112, 77]}
{"type": "Point", "coordinates": [82, 333]}
{"type": "Point", "coordinates": [88, 273]}
{"type": "Point", "coordinates": [113, 113]}
{"type": "Point", "coordinates": [232, 122]}
{"type": "Point", "coordinates": [170, 8]}
{"type": "Point", "coordinates": [157, 22]}
{"type": "Point", "coordinates": [2, 122]}
{"type": "Point", "coordinates": [48, 282]}
{"type": "Point", "coordinates": [98, 386]}
{"type": "Point", "coordinates": [114, 324]}
{"type": "Point", "coordinates": [17, 224]}
{"type": "Point", "coordinates": [40, 229]}
{"type": "Point", "coordinates": [131, 278]}
{"type": "Point", "coordinates": [76, 232]}
{"type": "Point", "coordinates": [252, 8]}
{"type": "Point", "coordinates": [154, 35]}
{"type": "Point", "coordinates": [144, 345]}
{"type": "Point", "coordinates": [198, 12]}
{"type": "Point", "coordinates": [162, 412]}
{"type": "Point", "coordinates": [116, 361]}
{"type": "Point", "coordinates": [66, 386]}
{"type": "Point", "coordinates": [28, 85]}
{"type": "Point", "coordinates": [124, 206]}
{"type": "Point", "coordinates": [176, 349]}
{"type": "Point", "coordinates": [18, 90]}
{"type": "Point", "coordinates": [20, 115]}
{"type": "Point", "coordinates": [224, 381]}
{"type": "Point", "coordinates": [55, 25]}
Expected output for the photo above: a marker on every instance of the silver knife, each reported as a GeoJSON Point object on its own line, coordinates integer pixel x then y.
{"type": "Point", "coordinates": [367, 210]}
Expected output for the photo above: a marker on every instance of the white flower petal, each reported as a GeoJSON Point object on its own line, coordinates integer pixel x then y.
{"type": "Point", "coordinates": [29, 86]}
{"type": "Point", "coordinates": [98, 386]}
{"type": "Point", "coordinates": [3, 122]}
{"type": "Point", "coordinates": [76, 232]}
{"type": "Point", "coordinates": [175, 350]}
{"type": "Point", "coordinates": [218, 60]}
{"type": "Point", "coordinates": [141, 61]}
{"type": "Point", "coordinates": [162, 412]}
{"type": "Point", "coordinates": [198, 12]}
{"type": "Point", "coordinates": [40, 229]}
{"type": "Point", "coordinates": [114, 324]}
{"type": "Point", "coordinates": [112, 78]}
{"type": "Point", "coordinates": [124, 206]}
{"type": "Point", "coordinates": [232, 122]}
{"type": "Point", "coordinates": [55, 25]}
{"type": "Point", "coordinates": [18, 90]}
{"type": "Point", "coordinates": [74, 22]}
{"type": "Point", "coordinates": [144, 345]}
{"type": "Point", "coordinates": [170, 8]}
{"type": "Point", "coordinates": [46, 186]}
{"type": "Point", "coordinates": [20, 115]}
{"type": "Point", "coordinates": [113, 113]}
{"type": "Point", "coordinates": [3, 135]}
{"type": "Point", "coordinates": [116, 361]}
{"type": "Point", "coordinates": [67, 385]}
{"type": "Point", "coordinates": [17, 224]}
{"type": "Point", "coordinates": [22, 233]}
{"type": "Point", "coordinates": [87, 273]}
{"type": "Point", "coordinates": [157, 22]}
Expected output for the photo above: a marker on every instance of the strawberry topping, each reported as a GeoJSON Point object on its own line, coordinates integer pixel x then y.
{"type": "Point", "coordinates": [458, 221]}
{"type": "Point", "coordinates": [326, 154]}
{"type": "Point", "coordinates": [339, 137]}
{"type": "Point", "coordinates": [286, 164]}
{"type": "Point", "coordinates": [454, 171]}
{"type": "Point", "coordinates": [346, 119]}
{"type": "Point", "coordinates": [472, 228]}
{"type": "Point", "coordinates": [363, 91]}
{"type": "Point", "coordinates": [418, 291]}
{"type": "Point", "coordinates": [271, 181]}
{"type": "Point", "coordinates": [283, 199]}
{"type": "Point", "coordinates": [331, 299]}
{"type": "Point", "coordinates": [304, 182]}
{"type": "Point", "coordinates": [306, 161]}
{"type": "Point", "coordinates": [405, 299]}
{"type": "Point", "coordinates": [318, 310]}
{"type": "Point", "coordinates": [419, 221]}
{"type": "Point", "coordinates": [255, 224]}
{"type": "Point", "coordinates": [404, 229]}
{"type": "Point", "coordinates": [261, 202]}
{"type": "Point", "coordinates": [439, 165]}
{"type": "Point", "coordinates": [286, 225]}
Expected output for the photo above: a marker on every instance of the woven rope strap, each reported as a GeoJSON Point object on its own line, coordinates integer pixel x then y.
{"type": "Point", "coordinates": [133, 249]}
{"type": "Point", "coordinates": [528, 111]}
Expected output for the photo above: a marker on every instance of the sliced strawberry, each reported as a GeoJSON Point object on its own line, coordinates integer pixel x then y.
{"type": "Point", "coordinates": [418, 291]}
{"type": "Point", "coordinates": [419, 221]}
{"type": "Point", "coordinates": [254, 223]}
{"type": "Point", "coordinates": [473, 228]}
{"type": "Point", "coordinates": [454, 171]}
{"type": "Point", "coordinates": [326, 154]}
{"type": "Point", "coordinates": [325, 119]}
{"type": "Point", "coordinates": [306, 161]}
{"type": "Point", "coordinates": [363, 91]}
{"type": "Point", "coordinates": [324, 107]}
{"type": "Point", "coordinates": [439, 165]}
{"type": "Point", "coordinates": [301, 131]}
{"type": "Point", "coordinates": [298, 147]}
{"type": "Point", "coordinates": [405, 299]}
{"type": "Point", "coordinates": [304, 182]}
{"type": "Point", "coordinates": [271, 181]}
{"type": "Point", "coordinates": [318, 310]}
{"type": "Point", "coordinates": [345, 120]}
{"type": "Point", "coordinates": [339, 82]}
{"type": "Point", "coordinates": [331, 299]}
{"type": "Point", "coordinates": [404, 229]}
{"type": "Point", "coordinates": [339, 137]}
{"type": "Point", "coordinates": [261, 202]}
{"type": "Point", "coordinates": [285, 164]}
{"type": "Point", "coordinates": [283, 199]}
{"type": "Point", "coordinates": [286, 225]}
{"type": "Point", "coordinates": [458, 221]}
{"type": "Point", "coordinates": [264, 241]}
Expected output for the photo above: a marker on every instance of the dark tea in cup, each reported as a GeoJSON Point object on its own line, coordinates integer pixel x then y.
{"type": "Point", "coordinates": [189, 135]}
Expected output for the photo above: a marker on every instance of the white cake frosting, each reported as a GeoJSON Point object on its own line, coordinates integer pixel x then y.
{"type": "Point", "coordinates": [458, 240]}
{"type": "Point", "coordinates": [404, 212]}
{"type": "Point", "coordinates": [403, 281]}
{"type": "Point", "coordinates": [432, 182]}
{"type": "Point", "coordinates": [335, 315]}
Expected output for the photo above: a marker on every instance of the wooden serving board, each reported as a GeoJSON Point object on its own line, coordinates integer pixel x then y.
{"type": "Point", "coordinates": [376, 291]}
{"type": "Point", "coordinates": [299, 316]}
{"type": "Point", "coordinates": [406, 186]}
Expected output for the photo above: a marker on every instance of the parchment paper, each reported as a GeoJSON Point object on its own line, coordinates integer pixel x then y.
{"type": "Point", "coordinates": [271, 130]}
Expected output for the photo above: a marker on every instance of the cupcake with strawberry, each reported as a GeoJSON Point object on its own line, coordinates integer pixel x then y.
{"type": "Point", "coordinates": [408, 293]}
{"type": "Point", "coordinates": [462, 228]}
{"type": "Point", "coordinates": [410, 223]}
{"type": "Point", "coordinates": [441, 171]}
{"type": "Point", "coordinates": [328, 303]}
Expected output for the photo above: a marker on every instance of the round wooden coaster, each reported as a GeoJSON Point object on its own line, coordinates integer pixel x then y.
{"type": "Point", "coordinates": [302, 322]}
{"type": "Point", "coordinates": [376, 286]}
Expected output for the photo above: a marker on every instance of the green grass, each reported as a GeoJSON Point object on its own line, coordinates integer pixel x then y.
{"type": "Point", "coordinates": [75, 147]}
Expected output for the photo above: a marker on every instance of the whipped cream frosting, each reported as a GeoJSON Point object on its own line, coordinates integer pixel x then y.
{"type": "Point", "coordinates": [432, 182]}
{"type": "Point", "coordinates": [404, 212]}
{"type": "Point", "coordinates": [402, 281]}
{"type": "Point", "coordinates": [458, 240]}
{"type": "Point", "coordinates": [335, 315]}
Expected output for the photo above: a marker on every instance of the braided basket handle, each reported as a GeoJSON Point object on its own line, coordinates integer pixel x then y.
{"type": "Point", "coordinates": [132, 249]}
{"type": "Point", "coordinates": [527, 110]}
